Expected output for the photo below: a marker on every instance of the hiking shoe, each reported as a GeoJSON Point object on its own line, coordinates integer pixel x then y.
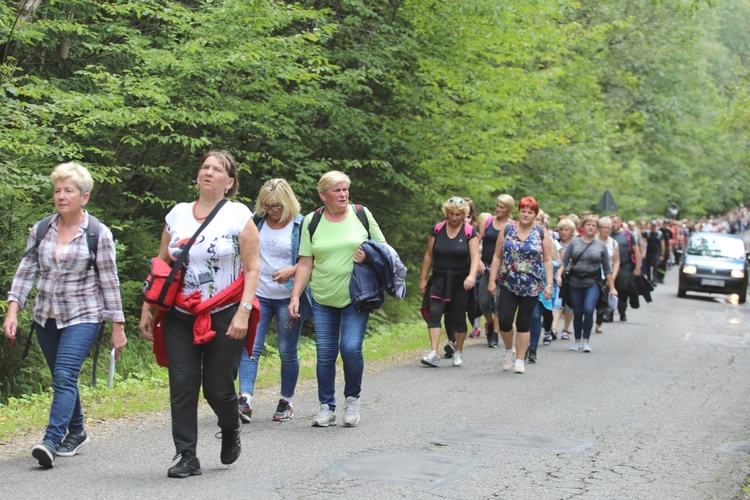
{"type": "Point", "coordinates": [189, 465]}
{"type": "Point", "coordinates": [508, 359]}
{"type": "Point", "coordinates": [531, 355]}
{"type": "Point", "coordinates": [457, 359]}
{"type": "Point", "coordinates": [519, 366]}
{"type": "Point", "coordinates": [565, 335]}
{"type": "Point", "coordinates": [71, 443]}
{"type": "Point", "coordinates": [586, 348]}
{"type": "Point", "coordinates": [431, 359]}
{"type": "Point", "coordinates": [231, 445]}
{"type": "Point", "coordinates": [326, 416]}
{"type": "Point", "coordinates": [449, 349]}
{"type": "Point", "coordinates": [475, 332]}
{"type": "Point", "coordinates": [623, 317]}
{"type": "Point", "coordinates": [351, 411]}
{"type": "Point", "coordinates": [246, 411]}
{"type": "Point", "coordinates": [575, 346]}
{"type": "Point", "coordinates": [284, 412]}
{"type": "Point", "coordinates": [44, 454]}
{"type": "Point", "coordinates": [547, 339]}
{"type": "Point", "coordinates": [494, 341]}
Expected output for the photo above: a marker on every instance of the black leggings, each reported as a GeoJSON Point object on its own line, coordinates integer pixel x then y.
{"type": "Point", "coordinates": [459, 305]}
{"type": "Point", "coordinates": [508, 304]}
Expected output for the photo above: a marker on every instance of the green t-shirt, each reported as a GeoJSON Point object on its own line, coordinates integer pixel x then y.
{"type": "Point", "coordinates": [333, 249]}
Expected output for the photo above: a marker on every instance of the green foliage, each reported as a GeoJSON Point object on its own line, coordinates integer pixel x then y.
{"type": "Point", "coordinates": [417, 101]}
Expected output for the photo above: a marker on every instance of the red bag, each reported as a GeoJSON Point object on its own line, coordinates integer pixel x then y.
{"type": "Point", "coordinates": [162, 284]}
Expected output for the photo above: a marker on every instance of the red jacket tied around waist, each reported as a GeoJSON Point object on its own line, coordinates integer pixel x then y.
{"type": "Point", "coordinates": [202, 332]}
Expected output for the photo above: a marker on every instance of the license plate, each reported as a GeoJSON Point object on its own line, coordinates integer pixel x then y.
{"type": "Point", "coordinates": [708, 282]}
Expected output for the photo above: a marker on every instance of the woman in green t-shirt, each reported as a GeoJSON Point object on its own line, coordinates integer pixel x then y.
{"type": "Point", "coordinates": [326, 262]}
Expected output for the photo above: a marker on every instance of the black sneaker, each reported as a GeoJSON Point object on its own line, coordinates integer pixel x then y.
{"type": "Point", "coordinates": [284, 412]}
{"type": "Point", "coordinates": [189, 465]}
{"type": "Point", "coordinates": [623, 317]}
{"type": "Point", "coordinates": [531, 356]}
{"type": "Point", "coordinates": [231, 446]}
{"type": "Point", "coordinates": [72, 443]}
{"type": "Point", "coordinates": [246, 411]}
{"type": "Point", "coordinates": [547, 339]}
{"type": "Point", "coordinates": [44, 454]}
{"type": "Point", "coordinates": [449, 349]}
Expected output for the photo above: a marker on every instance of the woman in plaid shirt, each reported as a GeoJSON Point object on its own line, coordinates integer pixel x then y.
{"type": "Point", "coordinates": [73, 298]}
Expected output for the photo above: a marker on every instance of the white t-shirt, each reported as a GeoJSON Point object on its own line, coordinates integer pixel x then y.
{"type": "Point", "coordinates": [214, 262]}
{"type": "Point", "coordinates": [275, 253]}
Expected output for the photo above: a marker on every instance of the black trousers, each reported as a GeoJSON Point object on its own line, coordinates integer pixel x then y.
{"type": "Point", "coordinates": [213, 365]}
{"type": "Point", "coordinates": [622, 285]}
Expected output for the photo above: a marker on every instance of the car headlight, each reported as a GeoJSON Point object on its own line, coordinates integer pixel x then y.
{"type": "Point", "coordinates": [738, 273]}
{"type": "Point", "coordinates": [689, 269]}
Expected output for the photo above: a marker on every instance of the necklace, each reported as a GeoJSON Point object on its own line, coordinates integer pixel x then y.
{"type": "Point", "coordinates": [195, 216]}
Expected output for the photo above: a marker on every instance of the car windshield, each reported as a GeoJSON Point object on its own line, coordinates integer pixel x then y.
{"type": "Point", "coordinates": [716, 246]}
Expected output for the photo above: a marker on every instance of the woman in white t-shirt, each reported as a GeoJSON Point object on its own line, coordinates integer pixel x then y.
{"type": "Point", "coordinates": [280, 225]}
{"type": "Point", "coordinates": [605, 229]}
{"type": "Point", "coordinates": [220, 278]}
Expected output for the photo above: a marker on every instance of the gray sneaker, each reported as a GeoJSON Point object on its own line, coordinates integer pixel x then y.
{"type": "Point", "coordinates": [72, 443]}
{"type": "Point", "coordinates": [351, 412]}
{"type": "Point", "coordinates": [457, 359]}
{"type": "Point", "coordinates": [325, 417]}
{"type": "Point", "coordinates": [431, 359]}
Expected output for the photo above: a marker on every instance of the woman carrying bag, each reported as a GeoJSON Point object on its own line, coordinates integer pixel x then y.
{"type": "Point", "coordinates": [204, 333]}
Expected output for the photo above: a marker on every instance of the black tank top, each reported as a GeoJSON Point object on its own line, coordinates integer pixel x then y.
{"type": "Point", "coordinates": [451, 253]}
{"type": "Point", "coordinates": [489, 241]}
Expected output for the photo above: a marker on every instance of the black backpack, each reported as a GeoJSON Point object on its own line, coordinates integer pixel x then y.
{"type": "Point", "coordinates": [92, 238]}
{"type": "Point", "coordinates": [358, 209]}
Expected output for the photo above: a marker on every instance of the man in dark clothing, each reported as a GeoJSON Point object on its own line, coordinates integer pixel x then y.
{"type": "Point", "coordinates": [630, 263]}
{"type": "Point", "coordinates": [654, 251]}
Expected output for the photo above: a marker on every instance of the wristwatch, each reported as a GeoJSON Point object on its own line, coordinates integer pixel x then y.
{"type": "Point", "coordinates": [247, 305]}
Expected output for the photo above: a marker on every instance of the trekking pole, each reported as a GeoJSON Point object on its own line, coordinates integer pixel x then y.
{"type": "Point", "coordinates": [99, 334]}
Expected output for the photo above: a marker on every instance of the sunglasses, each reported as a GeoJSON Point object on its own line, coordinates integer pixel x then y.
{"type": "Point", "coordinates": [459, 201]}
{"type": "Point", "coordinates": [271, 208]}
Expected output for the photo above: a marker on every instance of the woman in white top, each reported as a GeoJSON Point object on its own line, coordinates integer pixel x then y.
{"type": "Point", "coordinates": [605, 229]}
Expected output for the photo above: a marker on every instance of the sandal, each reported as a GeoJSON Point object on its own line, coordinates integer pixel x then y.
{"type": "Point", "coordinates": [565, 335]}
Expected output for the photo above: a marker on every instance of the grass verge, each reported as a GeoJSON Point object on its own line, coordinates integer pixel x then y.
{"type": "Point", "coordinates": [150, 392]}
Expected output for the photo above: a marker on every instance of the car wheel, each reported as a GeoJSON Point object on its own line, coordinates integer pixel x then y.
{"type": "Point", "coordinates": [681, 292]}
{"type": "Point", "coordinates": [743, 296]}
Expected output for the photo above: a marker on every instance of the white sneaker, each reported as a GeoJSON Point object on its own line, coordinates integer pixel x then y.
{"type": "Point", "coordinates": [508, 360]}
{"type": "Point", "coordinates": [519, 366]}
{"type": "Point", "coordinates": [457, 360]}
{"type": "Point", "coordinates": [575, 346]}
{"type": "Point", "coordinates": [325, 417]}
{"type": "Point", "coordinates": [351, 412]}
{"type": "Point", "coordinates": [586, 348]}
{"type": "Point", "coordinates": [431, 359]}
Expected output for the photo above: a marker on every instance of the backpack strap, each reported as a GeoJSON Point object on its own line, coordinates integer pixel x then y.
{"type": "Point", "coordinates": [92, 238]}
{"type": "Point", "coordinates": [468, 230]}
{"type": "Point", "coordinates": [318, 213]}
{"type": "Point", "coordinates": [437, 227]}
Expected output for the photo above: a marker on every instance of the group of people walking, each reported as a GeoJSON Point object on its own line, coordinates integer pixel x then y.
{"type": "Point", "coordinates": [290, 267]}
{"type": "Point", "coordinates": [524, 277]}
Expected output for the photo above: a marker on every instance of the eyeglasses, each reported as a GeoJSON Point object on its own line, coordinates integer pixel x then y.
{"type": "Point", "coordinates": [271, 208]}
{"type": "Point", "coordinates": [459, 201]}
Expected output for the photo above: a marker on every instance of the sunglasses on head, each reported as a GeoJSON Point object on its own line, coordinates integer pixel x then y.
{"type": "Point", "coordinates": [459, 201]}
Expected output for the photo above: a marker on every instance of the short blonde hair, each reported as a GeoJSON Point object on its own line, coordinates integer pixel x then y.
{"type": "Point", "coordinates": [590, 218]}
{"type": "Point", "coordinates": [604, 220]}
{"type": "Point", "coordinates": [507, 201]}
{"type": "Point", "coordinates": [457, 204]}
{"type": "Point", "coordinates": [576, 220]}
{"type": "Point", "coordinates": [331, 178]}
{"type": "Point", "coordinates": [277, 192]}
{"type": "Point", "coordinates": [76, 172]}
{"type": "Point", "coordinates": [566, 223]}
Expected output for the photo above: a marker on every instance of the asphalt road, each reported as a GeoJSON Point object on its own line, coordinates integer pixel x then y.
{"type": "Point", "coordinates": [659, 409]}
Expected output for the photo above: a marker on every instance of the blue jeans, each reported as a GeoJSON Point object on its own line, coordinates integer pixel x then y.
{"type": "Point", "coordinates": [339, 330]}
{"type": "Point", "coordinates": [288, 337]}
{"type": "Point", "coordinates": [584, 302]}
{"type": "Point", "coordinates": [65, 349]}
{"type": "Point", "coordinates": [535, 325]}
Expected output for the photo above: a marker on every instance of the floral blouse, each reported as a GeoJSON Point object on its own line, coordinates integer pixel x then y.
{"type": "Point", "coordinates": [522, 269]}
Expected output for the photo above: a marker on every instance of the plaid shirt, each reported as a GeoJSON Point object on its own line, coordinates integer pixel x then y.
{"type": "Point", "coordinates": [75, 293]}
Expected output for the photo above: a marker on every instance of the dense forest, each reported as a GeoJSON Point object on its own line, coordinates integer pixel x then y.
{"type": "Point", "coordinates": [417, 100]}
